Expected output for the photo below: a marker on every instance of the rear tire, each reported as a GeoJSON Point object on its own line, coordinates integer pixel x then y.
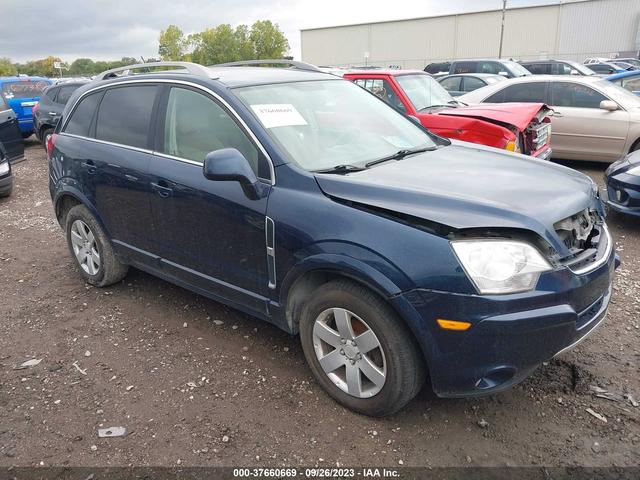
{"type": "Point", "coordinates": [91, 249]}
{"type": "Point", "coordinates": [45, 133]}
{"type": "Point", "coordinates": [376, 345]}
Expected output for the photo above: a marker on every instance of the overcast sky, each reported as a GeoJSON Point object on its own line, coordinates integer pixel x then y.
{"type": "Point", "coordinates": [103, 29]}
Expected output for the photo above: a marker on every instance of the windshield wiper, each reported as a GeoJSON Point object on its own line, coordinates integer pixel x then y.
{"type": "Point", "coordinates": [399, 155]}
{"type": "Point", "coordinates": [340, 169]}
{"type": "Point", "coordinates": [433, 106]}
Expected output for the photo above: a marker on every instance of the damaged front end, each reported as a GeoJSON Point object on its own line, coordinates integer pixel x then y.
{"type": "Point", "coordinates": [587, 239]}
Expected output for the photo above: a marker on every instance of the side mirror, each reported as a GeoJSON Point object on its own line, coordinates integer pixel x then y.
{"type": "Point", "coordinates": [229, 165]}
{"type": "Point", "coordinates": [574, 72]}
{"type": "Point", "coordinates": [609, 105]}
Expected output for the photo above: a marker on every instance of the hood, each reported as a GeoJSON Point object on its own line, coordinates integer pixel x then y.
{"type": "Point", "coordinates": [470, 186]}
{"type": "Point", "coordinates": [517, 114]}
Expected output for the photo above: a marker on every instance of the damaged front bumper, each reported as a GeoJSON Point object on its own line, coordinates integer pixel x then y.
{"type": "Point", "coordinates": [511, 335]}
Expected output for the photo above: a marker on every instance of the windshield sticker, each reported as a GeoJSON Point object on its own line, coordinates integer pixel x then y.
{"type": "Point", "coordinates": [278, 115]}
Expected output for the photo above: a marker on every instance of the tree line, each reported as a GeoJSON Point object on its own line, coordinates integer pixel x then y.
{"type": "Point", "coordinates": [224, 43]}
{"type": "Point", "coordinates": [219, 44]}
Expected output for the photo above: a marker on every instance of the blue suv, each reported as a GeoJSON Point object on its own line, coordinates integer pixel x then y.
{"type": "Point", "coordinates": [22, 94]}
{"type": "Point", "coordinates": [301, 199]}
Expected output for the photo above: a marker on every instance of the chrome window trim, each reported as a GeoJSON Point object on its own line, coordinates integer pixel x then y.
{"type": "Point", "coordinates": [105, 142]}
{"type": "Point", "coordinates": [222, 101]}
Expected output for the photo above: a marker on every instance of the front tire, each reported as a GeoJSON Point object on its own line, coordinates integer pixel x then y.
{"type": "Point", "coordinates": [360, 352]}
{"type": "Point", "coordinates": [91, 249]}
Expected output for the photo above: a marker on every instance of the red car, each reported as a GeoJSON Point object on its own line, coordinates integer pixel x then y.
{"type": "Point", "coordinates": [518, 127]}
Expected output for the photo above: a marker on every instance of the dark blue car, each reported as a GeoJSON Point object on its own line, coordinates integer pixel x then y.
{"type": "Point", "coordinates": [22, 94]}
{"type": "Point", "coordinates": [622, 180]}
{"type": "Point", "coordinates": [303, 200]}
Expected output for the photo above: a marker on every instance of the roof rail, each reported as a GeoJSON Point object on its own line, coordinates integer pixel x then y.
{"type": "Point", "coordinates": [292, 64]}
{"type": "Point", "coordinates": [191, 68]}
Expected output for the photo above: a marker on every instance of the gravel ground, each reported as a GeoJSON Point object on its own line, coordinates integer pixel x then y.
{"type": "Point", "coordinates": [197, 383]}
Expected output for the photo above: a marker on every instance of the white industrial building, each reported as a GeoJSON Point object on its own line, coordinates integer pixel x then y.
{"type": "Point", "coordinates": [571, 29]}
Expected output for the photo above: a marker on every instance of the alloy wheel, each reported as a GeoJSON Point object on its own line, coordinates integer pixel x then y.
{"type": "Point", "coordinates": [349, 352]}
{"type": "Point", "coordinates": [84, 247]}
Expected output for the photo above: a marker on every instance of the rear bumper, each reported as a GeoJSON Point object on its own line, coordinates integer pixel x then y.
{"type": "Point", "coordinates": [511, 335]}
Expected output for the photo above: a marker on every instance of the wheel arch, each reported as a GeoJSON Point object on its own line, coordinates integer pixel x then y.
{"type": "Point", "coordinates": [303, 279]}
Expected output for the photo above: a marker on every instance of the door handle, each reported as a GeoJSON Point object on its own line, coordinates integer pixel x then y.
{"type": "Point", "coordinates": [90, 166]}
{"type": "Point", "coordinates": [557, 114]}
{"type": "Point", "coordinates": [53, 114]}
{"type": "Point", "coordinates": [164, 192]}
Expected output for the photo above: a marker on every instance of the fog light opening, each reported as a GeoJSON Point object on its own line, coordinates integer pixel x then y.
{"type": "Point", "coordinates": [495, 378]}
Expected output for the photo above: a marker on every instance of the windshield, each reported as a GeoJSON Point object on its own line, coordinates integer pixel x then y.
{"type": "Point", "coordinates": [23, 89]}
{"type": "Point", "coordinates": [322, 124]}
{"type": "Point", "coordinates": [424, 92]}
{"type": "Point", "coordinates": [516, 69]}
{"type": "Point", "coordinates": [583, 69]}
{"type": "Point", "coordinates": [621, 95]}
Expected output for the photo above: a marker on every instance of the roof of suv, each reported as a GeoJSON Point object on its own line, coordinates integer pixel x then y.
{"type": "Point", "coordinates": [246, 76]}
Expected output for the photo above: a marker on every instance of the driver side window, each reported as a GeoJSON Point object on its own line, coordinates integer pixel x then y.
{"type": "Point", "coordinates": [196, 125]}
{"type": "Point", "coordinates": [383, 90]}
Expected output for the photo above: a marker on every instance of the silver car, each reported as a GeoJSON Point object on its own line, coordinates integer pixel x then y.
{"type": "Point", "coordinates": [594, 119]}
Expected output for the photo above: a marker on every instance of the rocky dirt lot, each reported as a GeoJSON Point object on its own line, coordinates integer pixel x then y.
{"type": "Point", "coordinates": [197, 383]}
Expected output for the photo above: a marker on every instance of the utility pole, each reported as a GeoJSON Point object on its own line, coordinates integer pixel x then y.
{"type": "Point", "coordinates": [504, 10]}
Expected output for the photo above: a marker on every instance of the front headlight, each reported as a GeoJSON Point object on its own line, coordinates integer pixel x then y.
{"type": "Point", "coordinates": [4, 168]}
{"type": "Point", "coordinates": [500, 266]}
{"type": "Point", "coordinates": [634, 171]}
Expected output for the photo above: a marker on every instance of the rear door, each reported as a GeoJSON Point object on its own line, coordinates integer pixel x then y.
{"type": "Point", "coordinates": [208, 233]}
{"type": "Point", "coordinates": [107, 140]}
{"type": "Point", "coordinates": [581, 129]}
{"type": "Point", "coordinates": [10, 132]}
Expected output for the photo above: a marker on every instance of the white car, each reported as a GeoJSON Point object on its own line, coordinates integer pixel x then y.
{"type": "Point", "coordinates": [593, 119]}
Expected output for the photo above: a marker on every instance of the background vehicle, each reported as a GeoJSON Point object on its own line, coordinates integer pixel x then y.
{"type": "Point", "coordinates": [606, 68]}
{"type": "Point", "coordinates": [556, 67]}
{"type": "Point", "coordinates": [518, 128]}
{"type": "Point", "coordinates": [624, 65]}
{"type": "Point", "coordinates": [622, 185]}
{"type": "Point", "coordinates": [437, 68]}
{"type": "Point", "coordinates": [22, 93]}
{"type": "Point", "coordinates": [627, 80]}
{"type": "Point", "coordinates": [10, 136]}
{"type": "Point", "coordinates": [593, 119]}
{"type": "Point", "coordinates": [633, 61]}
{"type": "Point", "coordinates": [286, 193]}
{"type": "Point", "coordinates": [463, 83]}
{"type": "Point", "coordinates": [506, 68]}
{"type": "Point", "coordinates": [6, 177]}
{"type": "Point", "coordinates": [48, 110]}
{"type": "Point", "coordinates": [591, 61]}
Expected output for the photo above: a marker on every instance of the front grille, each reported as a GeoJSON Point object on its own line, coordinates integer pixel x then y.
{"type": "Point", "coordinates": [586, 237]}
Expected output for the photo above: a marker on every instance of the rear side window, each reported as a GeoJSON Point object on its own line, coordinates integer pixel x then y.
{"type": "Point", "coordinates": [125, 114]}
{"type": "Point", "coordinates": [565, 94]}
{"type": "Point", "coordinates": [383, 90]}
{"type": "Point", "coordinates": [81, 117]}
{"type": "Point", "coordinates": [65, 93]}
{"type": "Point", "coordinates": [538, 68]}
{"type": "Point", "coordinates": [522, 92]}
{"type": "Point", "coordinates": [465, 67]}
{"type": "Point", "coordinates": [51, 93]}
{"type": "Point", "coordinates": [451, 84]}
{"type": "Point", "coordinates": [472, 83]}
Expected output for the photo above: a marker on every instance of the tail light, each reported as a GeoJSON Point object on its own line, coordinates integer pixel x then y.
{"type": "Point", "coordinates": [51, 142]}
